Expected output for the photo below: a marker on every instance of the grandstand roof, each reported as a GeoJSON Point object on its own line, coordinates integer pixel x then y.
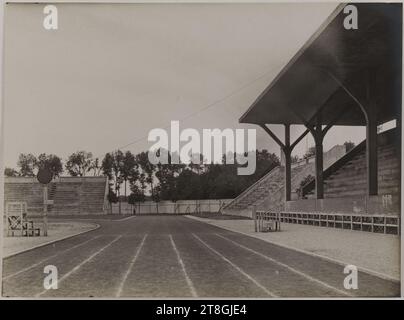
{"type": "Point", "coordinates": [365, 62]}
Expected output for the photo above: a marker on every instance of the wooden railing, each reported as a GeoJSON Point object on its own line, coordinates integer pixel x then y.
{"type": "Point", "coordinates": [387, 224]}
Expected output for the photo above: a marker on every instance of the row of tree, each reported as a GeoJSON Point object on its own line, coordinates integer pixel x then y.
{"type": "Point", "coordinates": [139, 179]}
{"type": "Point", "coordinates": [198, 180]}
{"type": "Point", "coordinates": [79, 163]}
{"type": "Point", "coordinates": [158, 182]}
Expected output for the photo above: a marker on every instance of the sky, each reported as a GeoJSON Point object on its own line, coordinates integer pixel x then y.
{"type": "Point", "coordinates": [112, 73]}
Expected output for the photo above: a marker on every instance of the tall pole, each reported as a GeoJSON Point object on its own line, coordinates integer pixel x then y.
{"type": "Point", "coordinates": [254, 216]}
{"type": "Point", "coordinates": [371, 154]}
{"type": "Point", "coordinates": [318, 139]}
{"type": "Point", "coordinates": [45, 210]}
{"type": "Point", "coordinates": [288, 164]}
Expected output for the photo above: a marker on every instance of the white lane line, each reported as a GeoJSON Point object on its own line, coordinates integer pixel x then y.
{"type": "Point", "coordinates": [48, 258]}
{"type": "Point", "coordinates": [300, 273]}
{"type": "Point", "coordinates": [124, 219]}
{"type": "Point", "coordinates": [125, 276]}
{"type": "Point", "coordinates": [91, 257]}
{"type": "Point", "coordinates": [184, 271]}
{"type": "Point", "coordinates": [237, 268]}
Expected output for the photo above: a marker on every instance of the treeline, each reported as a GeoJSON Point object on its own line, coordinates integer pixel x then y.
{"type": "Point", "coordinates": [79, 163]}
{"type": "Point", "coordinates": [139, 179]}
{"type": "Point", "coordinates": [142, 180]}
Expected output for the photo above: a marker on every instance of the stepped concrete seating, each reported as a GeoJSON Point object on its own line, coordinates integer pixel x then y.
{"type": "Point", "coordinates": [93, 196]}
{"type": "Point", "coordinates": [345, 182]}
{"type": "Point", "coordinates": [67, 199]}
{"type": "Point", "coordinates": [24, 189]}
{"type": "Point", "coordinates": [267, 192]}
{"type": "Point", "coordinates": [351, 179]}
{"type": "Point", "coordinates": [261, 189]}
{"type": "Point", "coordinates": [348, 176]}
{"type": "Point", "coordinates": [71, 195]}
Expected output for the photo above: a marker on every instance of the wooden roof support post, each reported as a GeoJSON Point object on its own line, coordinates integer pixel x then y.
{"type": "Point", "coordinates": [370, 113]}
{"type": "Point", "coordinates": [318, 134]}
{"type": "Point", "coordinates": [371, 152]}
{"type": "Point", "coordinates": [272, 135]}
{"type": "Point", "coordinates": [371, 136]}
{"type": "Point", "coordinates": [318, 139]}
{"type": "Point", "coordinates": [288, 164]}
{"type": "Point", "coordinates": [287, 149]}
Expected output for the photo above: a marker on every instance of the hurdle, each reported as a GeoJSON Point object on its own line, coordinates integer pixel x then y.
{"type": "Point", "coordinates": [17, 223]}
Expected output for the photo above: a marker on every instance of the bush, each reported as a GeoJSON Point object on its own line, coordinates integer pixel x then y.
{"type": "Point", "coordinates": [302, 183]}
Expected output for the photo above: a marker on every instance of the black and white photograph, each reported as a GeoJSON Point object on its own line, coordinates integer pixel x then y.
{"type": "Point", "coordinates": [201, 150]}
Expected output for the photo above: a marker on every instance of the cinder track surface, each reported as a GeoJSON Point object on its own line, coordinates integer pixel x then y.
{"type": "Point", "coordinates": [173, 256]}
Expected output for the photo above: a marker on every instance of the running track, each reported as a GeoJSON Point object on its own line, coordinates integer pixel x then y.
{"type": "Point", "coordinates": [174, 256]}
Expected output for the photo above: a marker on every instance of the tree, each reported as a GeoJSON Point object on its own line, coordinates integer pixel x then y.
{"type": "Point", "coordinates": [10, 172]}
{"type": "Point", "coordinates": [309, 153]}
{"type": "Point", "coordinates": [156, 194]}
{"type": "Point", "coordinates": [106, 165]}
{"type": "Point", "coordinates": [137, 195]}
{"type": "Point", "coordinates": [95, 167]}
{"type": "Point", "coordinates": [112, 197]}
{"type": "Point", "coordinates": [137, 186]}
{"type": "Point", "coordinates": [265, 162]}
{"type": "Point", "coordinates": [302, 183]}
{"type": "Point", "coordinates": [51, 162]}
{"type": "Point", "coordinates": [177, 181]}
{"type": "Point", "coordinates": [295, 158]}
{"type": "Point", "coordinates": [117, 166]}
{"type": "Point", "coordinates": [197, 163]}
{"type": "Point", "coordinates": [148, 169]}
{"type": "Point", "coordinates": [167, 175]}
{"type": "Point", "coordinates": [188, 185]}
{"type": "Point", "coordinates": [113, 167]}
{"type": "Point", "coordinates": [129, 168]}
{"type": "Point", "coordinates": [27, 164]}
{"type": "Point", "coordinates": [137, 183]}
{"type": "Point", "coordinates": [79, 163]}
{"type": "Point", "coordinates": [349, 145]}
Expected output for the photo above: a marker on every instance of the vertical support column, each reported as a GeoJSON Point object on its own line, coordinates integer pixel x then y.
{"type": "Point", "coordinates": [288, 164]}
{"type": "Point", "coordinates": [286, 151]}
{"type": "Point", "coordinates": [254, 216]}
{"type": "Point", "coordinates": [318, 138]}
{"type": "Point", "coordinates": [371, 137]}
{"type": "Point", "coordinates": [371, 152]}
{"type": "Point", "coordinates": [45, 210]}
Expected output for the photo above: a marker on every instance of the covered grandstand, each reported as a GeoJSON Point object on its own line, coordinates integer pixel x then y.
{"type": "Point", "coordinates": [342, 77]}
